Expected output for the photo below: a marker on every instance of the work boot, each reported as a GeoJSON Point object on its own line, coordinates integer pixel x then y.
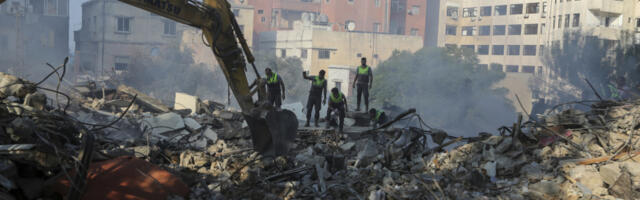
{"type": "Point", "coordinates": [306, 124]}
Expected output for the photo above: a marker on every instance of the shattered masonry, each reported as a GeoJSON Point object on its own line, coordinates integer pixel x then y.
{"type": "Point", "coordinates": [138, 148]}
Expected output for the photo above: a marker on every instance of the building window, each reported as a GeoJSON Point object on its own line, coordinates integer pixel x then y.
{"type": "Point", "coordinates": [542, 27]}
{"type": "Point", "coordinates": [533, 8]}
{"type": "Point", "coordinates": [512, 68]}
{"type": "Point", "coordinates": [377, 3]}
{"type": "Point", "coordinates": [498, 50]}
{"type": "Point", "coordinates": [376, 27]}
{"type": "Point", "coordinates": [559, 21]}
{"type": "Point", "coordinates": [469, 12]}
{"type": "Point", "coordinates": [483, 49]}
{"type": "Point", "coordinates": [637, 22]}
{"type": "Point", "coordinates": [303, 53]}
{"type": "Point", "coordinates": [483, 66]}
{"type": "Point", "coordinates": [324, 54]}
{"type": "Point", "coordinates": [607, 21]}
{"type": "Point", "coordinates": [500, 10]}
{"type": "Point", "coordinates": [241, 28]}
{"type": "Point", "coordinates": [576, 20]}
{"type": "Point", "coordinates": [169, 27]}
{"type": "Point", "coordinates": [351, 1]}
{"type": "Point", "coordinates": [414, 31]}
{"type": "Point", "coordinates": [283, 53]}
{"type": "Point", "coordinates": [541, 49]}
{"type": "Point", "coordinates": [471, 48]}
{"type": "Point", "coordinates": [485, 30]}
{"type": "Point", "coordinates": [514, 50]}
{"type": "Point", "coordinates": [554, 22]}
{"type": "Point", "coordinates": [262, 19]}
{"type": "Point", "coordinates": [121, 63]}
{"type": "Point", "coordinates": [531, 29]}
{"type": "Point", "coordinates": [529, 50]}
{"type": "Point", "coordinates": [515, 9]}
{"type": "Point", "coordinates": [415, 10]}
{"type": "Point", "coordinates": [467, 30]}
{"type": "Point", "coordinates": [260, 11]}
{"type": "Point", "coordinates": [338, 84]}
{"type": "Point", "coordinates": [498, 30]}
{"type": "Point", "coordinates": [544, 7]}
{"type": "Point", "coordinates": [496, 67]}
{"type": "Point", "coordinates": [123, 24]}
{"type": "Point", "coordinates": [359, 55]}
{"type": "Point", "coordinates": [515, 29]}
{"type": "Point", "coordinates": [485, 11]}
{"type": "Point", "coordinates": [236, 12]}
{"type": "Point", "coordinates": [450, 30]}
{"type": "Point", "coordinates": [452, 12]}
{"type": "Point", "coordinates": [566, 20]}
{"type": "Point", "coordinates": [528, 69]}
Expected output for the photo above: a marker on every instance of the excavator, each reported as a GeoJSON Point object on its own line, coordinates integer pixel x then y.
{"type": "Point", "coordinates": [272, 130]}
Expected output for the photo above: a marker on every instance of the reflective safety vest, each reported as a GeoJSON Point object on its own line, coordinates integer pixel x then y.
{"type": "Point", "coordinates": [337, 99]}
{"type": "Point", "coordinates": [273, 79]}
{"type": "Point", "coordinates": [378, 114]}
{"type": "Point", "coordinates": [318, 82]}
{"type": "Point", "coordinates": [363, 70]}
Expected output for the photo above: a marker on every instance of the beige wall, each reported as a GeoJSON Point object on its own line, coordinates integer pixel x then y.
{"type": "Point", "coordinates": [346, 48]}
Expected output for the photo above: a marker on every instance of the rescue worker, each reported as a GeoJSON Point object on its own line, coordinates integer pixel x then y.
{"type": "Point", "coordinates": [317, 95]}
{"type": "Point", "coordinates": [338, 103]}
{"type": "Point", "coordinates": [364, 81]}
{"type": "Point", "coordinates": [377, 117]}
{"type": "Point", "coordinates": [275, 86]}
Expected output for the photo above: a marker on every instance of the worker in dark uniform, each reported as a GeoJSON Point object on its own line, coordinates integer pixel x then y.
{"type": "Point", "coordinates": [364, 81]}
{"type": "Point", "coordinates": [275, 86]}
{"type": "Point", "coordinates": [317, 95]}
{"type": "Point", "coordinates": [378, 117]}
{"type": "Point", "coordinates": [338, 103]}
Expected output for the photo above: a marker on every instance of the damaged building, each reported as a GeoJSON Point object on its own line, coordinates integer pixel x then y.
{"type": "Point", "coordinates": [34, 32]}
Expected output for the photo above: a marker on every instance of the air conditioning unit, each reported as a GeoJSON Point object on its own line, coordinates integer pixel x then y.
{"type": "Point", "coordinates": [526, 16]}
{"type": "Point", "coordinates": [543, 15]}
{"type": "Point", "coordinates": [473, 19]}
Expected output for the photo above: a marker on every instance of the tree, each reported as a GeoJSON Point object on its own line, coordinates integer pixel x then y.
{"type": "Point", "coordinates": [446, 88]}
{"type": "Point", "coordinates": [290, 69]}
{"type": "Point", "coordinates": [579, 56]}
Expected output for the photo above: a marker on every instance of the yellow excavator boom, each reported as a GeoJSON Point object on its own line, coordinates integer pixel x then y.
{"type": "Point", "coordinates": [269, 128]}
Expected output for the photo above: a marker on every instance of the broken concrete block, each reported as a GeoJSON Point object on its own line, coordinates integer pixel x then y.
{"type": "Point", "coordinates": [161, 124]}
{"type": "Point", "coordinates": [610, 173]}
{"type": "Point", "coordinates": [588, 176]}
{"type": "Point", "coordinates": [368, 154]}
{"type": "Point", "coordinates": [532, 171]}
{"type": "Point", "coordinates": [347, 146]}
{"type": "Point", "coordinates": [550, 188]}
{"type": "Point", "coordinates": [211, 135]}
{"type": "Point", "coordinates": [185, 101]}
{"type": "Point", "coordinates": [192, 124]}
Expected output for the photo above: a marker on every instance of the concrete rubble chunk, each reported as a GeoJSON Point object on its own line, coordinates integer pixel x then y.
{"type": "Point", "coordinates": [162, 123]}
{"type": "Point", "coordinates": [367, 154]}
{"type": "Point", "coordinates": [610, 173]}
{"type": "Point", "coordinates": [588, 176]}
{"type": "Point", "coordinates": [211, 135]}
{"type": "Point", "coordinates": [347, 146]}
{"type": "Point", "coordinates": [186, 101]}
{"type": "Point", "coordinates": [192, 124]}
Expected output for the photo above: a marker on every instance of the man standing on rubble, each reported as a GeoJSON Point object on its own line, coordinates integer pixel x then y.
{"type": "Point", "coordinates": [364, 81]}
{"type": "Point", "coordinates": [337, 103]}
{"type": "Point", "coordinates": [275, 86]}
{"type": "Point", "coordinates": [378, 117]}
{"type": "Point", "coordinates": [316, 98]}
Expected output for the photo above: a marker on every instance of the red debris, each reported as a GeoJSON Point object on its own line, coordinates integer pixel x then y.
{"type": "Point", "coordinates": [128, 178]}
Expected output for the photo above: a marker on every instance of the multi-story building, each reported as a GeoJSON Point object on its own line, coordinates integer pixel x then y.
{"type": "Point", "coordinates": [319, 47]}
{"type": "Point", "coordinates": [114, 33]}
{"type": "Point", "coordinates": [406, 17]}
{"type": "Point", "coordinates": [33, 33]}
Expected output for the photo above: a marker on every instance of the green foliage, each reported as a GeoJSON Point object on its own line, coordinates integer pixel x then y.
{"type": "Point", "coordinates": [579, 56]}
{"type": "Point", "coordinates": [445, 87]}
{"type": "Point", "coordinates": [290, 70]}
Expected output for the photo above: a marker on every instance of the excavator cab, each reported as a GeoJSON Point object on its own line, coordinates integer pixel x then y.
{"type": "Point", "coordinates": [272, 130]}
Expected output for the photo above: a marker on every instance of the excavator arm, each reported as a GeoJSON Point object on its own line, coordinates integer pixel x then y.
{"type": "Point", "coordinates": [270, 128]}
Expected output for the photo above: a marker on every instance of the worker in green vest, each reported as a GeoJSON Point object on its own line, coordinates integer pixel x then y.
{"type": "Point", "coordinates": [363, 82]}
{"type": "Point", "coordinates": [378, 117]}
{"type": "Point", "coordinates": [317, 95]}
{"type": "Point", "coordinates": [275, 88]}
{"type": "Point", "coordinates": [338, 103]}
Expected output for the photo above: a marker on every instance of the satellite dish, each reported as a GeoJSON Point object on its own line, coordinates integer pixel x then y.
{"type": "Point", "coordinates": [351, 26]}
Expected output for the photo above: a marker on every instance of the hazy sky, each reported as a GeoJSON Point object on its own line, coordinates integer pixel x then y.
{"type": "Point", "coordinates": [75, 20]}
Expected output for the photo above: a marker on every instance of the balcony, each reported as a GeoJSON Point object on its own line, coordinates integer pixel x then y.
{"type": "Point", "coordinates": [606, 6]}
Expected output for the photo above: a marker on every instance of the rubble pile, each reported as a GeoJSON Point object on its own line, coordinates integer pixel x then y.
{"type": "Point", "coordinates": [133, 146]}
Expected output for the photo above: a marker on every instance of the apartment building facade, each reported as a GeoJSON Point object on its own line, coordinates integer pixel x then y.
{"type": "Point", "coordinates": [404, 17]}
{"type": "Point", "coordinates": [33, 33]}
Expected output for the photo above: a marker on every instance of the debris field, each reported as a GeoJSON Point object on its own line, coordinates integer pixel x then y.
{"type": "Point", "coordinates": [87, 142]}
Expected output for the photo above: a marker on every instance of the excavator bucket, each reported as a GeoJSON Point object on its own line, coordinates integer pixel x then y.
{"type": "Point", "coordinates": [273, 134]}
